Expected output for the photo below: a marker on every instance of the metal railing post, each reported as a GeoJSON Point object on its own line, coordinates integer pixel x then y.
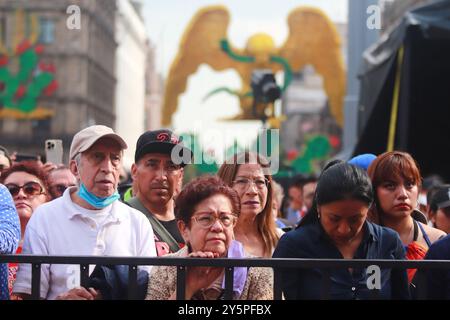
{"type": "Point", "coordinates": [181, 283]}
{"type": "Point", "coordinates": [277, 291]}
{"type": "Point", "coordinates": [229, 273]}
{"type": "Point", "coordinates": [84, 275]}
{"type": "Point", "coordinates": [132, 282]}
{"type": "Point", "coordinates": [36, 281]}
{"type": "Point", "coordinates": [421, 281]}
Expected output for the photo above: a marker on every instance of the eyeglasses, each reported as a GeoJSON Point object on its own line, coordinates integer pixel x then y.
{"type": "Point", "coordinates": [244, 183]}
{"type": "Point", "coordinates": [207, 220]}
{"type": "Point", "coordinates": [59, 189]}
{"type": "Point", "coordinates": [30, 188]}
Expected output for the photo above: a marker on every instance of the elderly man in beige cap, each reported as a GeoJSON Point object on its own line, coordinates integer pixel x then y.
{"type": "Point", "coordinates": [86, 220]}
{"type": "Point", "coordinates": [96, 160]}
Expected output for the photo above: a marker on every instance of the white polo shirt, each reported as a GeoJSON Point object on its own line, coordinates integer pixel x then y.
{"type": "Point", "coordinates": [61, 227]}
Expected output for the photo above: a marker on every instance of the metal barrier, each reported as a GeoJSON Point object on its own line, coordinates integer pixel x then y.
{"type": "Point", "coordinates": [228, 264]}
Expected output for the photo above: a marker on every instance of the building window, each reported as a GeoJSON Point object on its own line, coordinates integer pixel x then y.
{"type": "Point", "coordinates": [41, 129]}
{"type": "Point", "coordinates": [47, 27]}
{"type": "Point", "coordinates": [3, 30]}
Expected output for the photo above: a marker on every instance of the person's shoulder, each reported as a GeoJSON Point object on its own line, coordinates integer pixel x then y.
{"type": "Point", "coordinates": [6, 201]}
{"type": "Point", "coordinates": [295, 242]}
{"type": "Point", "coordinates": [181, 253]}
{"type": "Point", "coordinates": [279, 232]}
{"type": "Point", "coordinates": [260, 272]}
{"type": "Point", "coordinates": [48, 211]}
{"type": "Point", "coordinates": [129, 211]}
{"type": "Point", "coordinates": [3, 190]}
{"type": "Point", "coordinates": [440, 249]}
{"type": "Point", "coordinates": [305, 232]}
{"type": "Point", "coordinates": [385, 234]}
{"type": "Point", "coordinates": [44, 218]}
{"type": "Point", "coordinates": [433, 233]}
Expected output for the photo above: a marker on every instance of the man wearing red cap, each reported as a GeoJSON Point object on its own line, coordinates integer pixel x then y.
{"type": "Point", "coordinates": [157, 174]}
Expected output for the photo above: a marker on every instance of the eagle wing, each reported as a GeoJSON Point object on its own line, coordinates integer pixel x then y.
{"type": "Point", "coordinates": [200, 44]}
{"type": "Point", "coordinates": [313, 39]}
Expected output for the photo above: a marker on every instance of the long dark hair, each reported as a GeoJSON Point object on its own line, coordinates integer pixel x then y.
{"type": "Point", "coordinates": [339, 181]}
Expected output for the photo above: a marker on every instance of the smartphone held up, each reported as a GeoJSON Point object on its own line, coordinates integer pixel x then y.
{"type": "Point", "coordinates": [54, 151]}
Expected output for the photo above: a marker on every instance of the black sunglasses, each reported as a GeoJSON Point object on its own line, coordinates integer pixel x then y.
{"type": "Point", "coordinates": [30, 188]}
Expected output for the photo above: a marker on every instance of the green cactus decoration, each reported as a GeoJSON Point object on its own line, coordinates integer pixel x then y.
{"type": "Point", "coordinates": [21, 90]}
{"type": "Point", "coordinates": [317, 148]}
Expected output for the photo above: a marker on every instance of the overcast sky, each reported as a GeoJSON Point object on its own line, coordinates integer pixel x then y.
{"type": "Point", "coordinates": [166, 22]}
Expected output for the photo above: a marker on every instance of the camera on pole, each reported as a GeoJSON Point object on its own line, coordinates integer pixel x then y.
{"type": "Point", "coordinates": [265, 90]}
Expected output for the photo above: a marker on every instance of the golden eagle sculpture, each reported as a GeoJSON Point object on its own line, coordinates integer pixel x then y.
{"type": "Point", "coordinates": [313, 39]}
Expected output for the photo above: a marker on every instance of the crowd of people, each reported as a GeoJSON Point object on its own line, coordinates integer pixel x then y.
{"type": "Point", "coordinates": [371, 207]}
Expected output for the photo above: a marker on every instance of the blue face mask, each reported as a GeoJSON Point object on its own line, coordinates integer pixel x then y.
{"type": "Point", "coordinates": [95, 201]}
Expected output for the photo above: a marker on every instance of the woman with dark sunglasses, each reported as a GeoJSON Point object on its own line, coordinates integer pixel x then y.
{"type": "Point", "coordinates": [28, 186]}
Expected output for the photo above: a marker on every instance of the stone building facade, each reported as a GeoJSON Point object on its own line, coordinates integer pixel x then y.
{"type": "Point", "coordinates": [84, 61]}
{"type": "Point", "coordinates": [154, 91]}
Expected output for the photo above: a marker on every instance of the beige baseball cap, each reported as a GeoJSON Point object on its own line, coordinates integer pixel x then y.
{"type": "Point", "coordinates": [84, 139]}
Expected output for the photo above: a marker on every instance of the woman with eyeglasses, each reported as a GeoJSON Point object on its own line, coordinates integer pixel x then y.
{"type": "Point", "coordinates": [28, 186]}
{"type": "Point", "coordinates": [249, 175]}
{"type": "Point", "coordinates": [206, 211]}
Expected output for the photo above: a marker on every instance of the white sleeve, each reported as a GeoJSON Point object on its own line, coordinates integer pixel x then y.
{"type": "Point", "coordinates": [146, 247]}
{"type": "Point", "coordinates": [34, 243]}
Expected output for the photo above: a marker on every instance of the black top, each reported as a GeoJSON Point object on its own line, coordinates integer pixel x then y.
{"type": "Point", "coordinates": [172, 227]}
{"type": "Point", "coordinates": [438, 280]}
{"type": "Point", "coordinates": [311, 241]}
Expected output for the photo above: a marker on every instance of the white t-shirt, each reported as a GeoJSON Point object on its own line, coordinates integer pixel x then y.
{"type": "Point", "coordinates": [99, 217]}
{"type": "Point", "coordinates": [61, 227]}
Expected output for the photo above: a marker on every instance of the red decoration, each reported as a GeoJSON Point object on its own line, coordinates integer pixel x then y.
{"type": "Point", "coordinates": [39, 49]}
{"type": "Point", "coordinates": [51, 88]}
{"type": "Point", "coordinates": [292, 154]}
{"type": "Point", "coordinates": [47, 67]}
{"type": "Point", "coordinates": [20, 91]}
{"type": "Point", "coordinates": [22, 47]}
{"type": "Point", "coordinates": [335, 142]}
{"type": "Point", "coordinates": [3, 60]}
